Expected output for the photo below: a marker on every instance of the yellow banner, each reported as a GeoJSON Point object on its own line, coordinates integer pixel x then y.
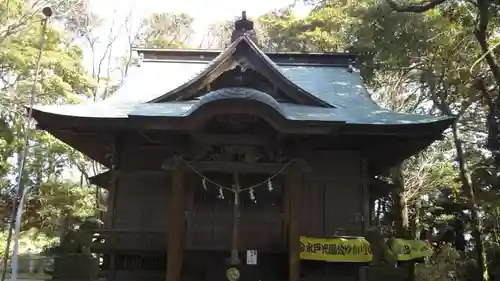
{"type": "Point", "coordinates": [411, 249]}
{"type": "Point", "coordinates": [358, 249]}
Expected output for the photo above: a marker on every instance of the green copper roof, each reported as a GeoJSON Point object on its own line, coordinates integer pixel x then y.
{"type": "Point", "coordinates": [245, 54]}
{"type": "Point", "coordinates": [289, 111]}
{"type": "Point", "coordinates": [337, 86]}
{"type": "Point", "coordinates": [333, 86]}
{"type": "Point", "coordinates": [153, 79]}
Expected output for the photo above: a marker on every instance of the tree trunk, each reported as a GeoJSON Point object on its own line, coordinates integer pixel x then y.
{"type": "Point", "coordinates": [460, 242]}
{"type": "Point", "coordinates": [378, 212]}
{"type": "Point", "coordinates": [383, 211]}
{"type": "Point", "coordinates": [468, 189]}
{"type": "Point", "coordinates": [400, 207]}
{"type": "Point", "coordinates": [402, 222]}
{"type": "Point", "coordinates": [416, 226]}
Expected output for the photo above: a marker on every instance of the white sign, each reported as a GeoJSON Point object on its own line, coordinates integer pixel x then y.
{"type": "Point", "coordinates": [252, 257]}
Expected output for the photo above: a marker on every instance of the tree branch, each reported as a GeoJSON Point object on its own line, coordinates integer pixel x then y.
{"type": "Point", "coordinates": [481, 33]}
{"type": "Point", "coordinates": [414, 8]}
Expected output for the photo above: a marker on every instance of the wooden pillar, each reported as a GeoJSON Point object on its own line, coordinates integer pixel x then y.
{"type": "Point", "coordinates": [293, 186]}
{"type": "Point", "coordinates": [366, 216]}
{"type": "Point", "coordinates": [176, 225]}
{"type": "Point", "coordinates": [109, 216]}
{"type": "Point", "coordinates": [109, 219]}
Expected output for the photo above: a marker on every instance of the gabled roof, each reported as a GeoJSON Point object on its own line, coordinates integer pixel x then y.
{"type": "Point", "coordinates": [242, 52]}
{"type": "Point", "coordinates": [149, 85]}
{"type": "Point", "coordinates": [323, 92]}
{"type": "Point", "coordinates": [332, 83]}
{"type": "Point", "coordinates": [165, 89]}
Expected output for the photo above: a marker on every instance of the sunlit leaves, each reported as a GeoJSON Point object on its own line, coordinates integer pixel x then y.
{"type": "Point", "coordinates": [62, 78]}
{"type": "Point", "coordinates": [165, 30]}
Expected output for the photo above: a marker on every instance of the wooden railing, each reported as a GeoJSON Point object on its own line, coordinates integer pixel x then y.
{"type": "Point", "coordinates": [110, 240]}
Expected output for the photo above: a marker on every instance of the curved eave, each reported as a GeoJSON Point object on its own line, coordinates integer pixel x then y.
{"type": "Point", "coordinates": [384, 156]}
{"type": "Point", "coordinates": [47, 120]}
{"type": "Point", "coordinates": [242, 48]}
{"type": "Point", "coordinates": [195, 120]}
{"type": "Point", "coordinates": [386, 142]}
{"type": "Point", "coordinates": [94, 145]}
{"type": "Point", "coordinates": [90, 135]}
{"type": "Point", "coordinates": [431, 128]}
{"type": "Point", "coordinates": [108, 117]}
{"type": "Point", "coordinates": [411, 140]}
{"type": "Point", "coordinates": [102, 180]}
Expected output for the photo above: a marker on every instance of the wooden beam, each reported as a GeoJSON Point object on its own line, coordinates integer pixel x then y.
{"type": "Point", "coordinates": [239, 167]}
{"type": "Point", "coordinates": [293, 185]}
{"type": "Point", "coordinates": [231, 139]}
{"type": "Point", "coordinates": [176, 225]}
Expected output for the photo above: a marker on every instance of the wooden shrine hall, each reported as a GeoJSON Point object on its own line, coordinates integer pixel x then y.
{"type": "Point", "coordinates": [219, 161]}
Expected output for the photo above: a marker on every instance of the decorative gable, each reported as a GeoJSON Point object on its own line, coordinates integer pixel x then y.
{"type": "Point", "coordinates": [243, 64]}
{"type": "Point", "coordinates": [241, 76]}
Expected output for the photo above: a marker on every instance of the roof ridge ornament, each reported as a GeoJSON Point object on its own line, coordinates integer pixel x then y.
{"type": "Point", "coordinates": [244, 27]}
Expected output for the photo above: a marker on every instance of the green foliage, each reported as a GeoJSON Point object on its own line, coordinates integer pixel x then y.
{"type": "Point", "coordinates": [218, 35]}
{"type": "Point", "coordinates": [31, 241]}
{"type": "Point", "coordinates": [58, 202]}
{"type": "Point", "coordinates": [53, 205]}
{"type": "Point", "coordinates": [446, 265]}
{"type": "Point", "coordinates": [63, 79]}
{"type": "Point", "coordinates": [55, 201]}
{"type": "Point", "coordinates": [426, 63]}
{"type": "Point", "coordinates": [413, 62]}
{"type": "Point", "coordinates": [165, 30]}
